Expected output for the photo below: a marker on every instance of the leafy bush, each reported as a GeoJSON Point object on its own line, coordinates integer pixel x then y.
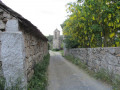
{"type": "Point", "coordinates": [2, 83]}
{"type": "Point", "coordinates": [55, 49]}
{"type": "Point", "coordinates": [39, 80]}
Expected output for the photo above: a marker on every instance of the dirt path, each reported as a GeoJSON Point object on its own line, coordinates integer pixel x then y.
{"type": "Point", "coordinates": [63, 75]}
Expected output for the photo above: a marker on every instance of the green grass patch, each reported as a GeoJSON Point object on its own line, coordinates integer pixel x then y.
{"type": "Point", "coordinates": [2, 83]}
{"type": "Point", "coordinates": [40, 80]}
{"type": "Point", "coordinates": [62, 52]}
{"type": "Point", "coordinates": [56, 49]}
{"type": "Point", "coordinates": [102, 74]}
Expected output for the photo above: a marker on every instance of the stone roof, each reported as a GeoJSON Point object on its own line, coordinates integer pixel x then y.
{"type": "Point", "coordinates": [31, 28]}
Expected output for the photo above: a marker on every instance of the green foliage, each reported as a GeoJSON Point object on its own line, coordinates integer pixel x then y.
{"type": "Point", "coordinates": [39, 80]}
{"type": "Point", "coordinates": [95, 23]}
{"type": "Point", "coordinates": [2, 83]}
{"type": "Point", "coordinates": [50, 41]}
{"type": "Point", "coordinates": [56, 49]}
{"type": "Point", "coordinates": [71, 43]}
{"type": "Point", "coordinates": [14, 86]}
{"type": "Point", "coordinates": [102, 74]}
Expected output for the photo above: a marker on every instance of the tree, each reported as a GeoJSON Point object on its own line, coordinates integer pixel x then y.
{"type": "Point", "coordinates": [96, 23]}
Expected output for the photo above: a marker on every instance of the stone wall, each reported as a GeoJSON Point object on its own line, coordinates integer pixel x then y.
{"type": "Point", "coordinates": [20, 50]}
{"type": "Point", "coordinates": [35, 50]}
{"type": "Point", "coordinates": [98, 58]}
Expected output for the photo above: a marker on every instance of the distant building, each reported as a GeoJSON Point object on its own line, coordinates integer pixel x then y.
{"type": "Point", "coordinates": [56, 39]}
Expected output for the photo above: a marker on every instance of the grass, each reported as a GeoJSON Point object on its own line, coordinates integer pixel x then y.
{"type": "Point", "coordinates": [62, 52]}
{"type": "Point", "coordinates": [2, 83]}
{"type": "Point", "coordinates": [56, 49]}
{"type": "Point", "coordinates": [102, 74]}
{"type": "Point", "coordinates": [39, 81]}
{"type": "Point", "coordinates": [15, 86]}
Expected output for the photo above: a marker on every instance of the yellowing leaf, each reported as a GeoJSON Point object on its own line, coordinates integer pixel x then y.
{"type": "Point", "coordinates": [102, 45]}
{"type": "Point", "coordinates": [85, 32]}
{"type": "Point", "coordinates": [92, 37]}
{"type": "Point", "coordinates": [86, 38]}
{"type": "Point", "coordinates": [112, 35]}
{"type": "Point", "coordinates": [93, 18]}
{"type": "Point", "coordinates": [117, 43]}
{"type": "Point", "coordinates": [118, 7]}
{"type": "Point", "coordinates": [110, 24]}
{"type": "Point", "coordinates": [109, 16]}
{"type": "Point", "coordinates": [101, 34]}
{"type": "Point", "coordinates": [113, 45]}
{"type": "Point", "coordinates": [105, 20]}
{"type": "Point", "coordinates": [90, 6]}
{"type": "Point", "coordinates": [118, 20]}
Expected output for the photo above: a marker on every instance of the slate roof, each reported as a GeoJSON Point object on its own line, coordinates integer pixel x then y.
{"type": "Point", "coordinates": [31, 28]}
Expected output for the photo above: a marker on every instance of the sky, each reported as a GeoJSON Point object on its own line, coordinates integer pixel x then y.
{"type": "Point", "coordinates": [47, 15]}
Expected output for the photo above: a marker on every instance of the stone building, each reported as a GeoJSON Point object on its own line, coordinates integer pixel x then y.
{"type": "Point", "coordinates": [22, 45]}
{"type": "Point", "coordinates": [56, 39]}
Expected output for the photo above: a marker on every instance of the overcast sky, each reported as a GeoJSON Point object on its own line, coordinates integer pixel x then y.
{"type": "Point", "coordinates": [47, 15]}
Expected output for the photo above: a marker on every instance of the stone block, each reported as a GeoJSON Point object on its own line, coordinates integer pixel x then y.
{"type": "Point", "coordinates": [2, 25]}
{"type": "Point", "coordinates": [1, 10]}
{"type": "Point", "coordinates": [30, 75]}
{"type": "Point", "coordinates": [112, 60]}
{"type": "Point", "coordinates": [5, 20]}
{"type": "Point", "coordinates": [111, 50]}
{"type": "Point", "coordinates": [12, 26]}
{"type": "Point", "coordinates": [118, 70]}
{"type": "Point", "coordinates": [1, 17]}
{"type": "Point", "coordinates": [12, 57]}
{"type": "Point", "coordinates": [6, 15]}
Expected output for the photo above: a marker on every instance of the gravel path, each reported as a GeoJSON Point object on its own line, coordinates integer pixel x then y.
{"type": "Point", "coordinates": [63, 75]}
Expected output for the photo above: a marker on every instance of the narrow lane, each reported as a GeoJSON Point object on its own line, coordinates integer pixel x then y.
{"type": "Point", "coordinates": [63, 75]}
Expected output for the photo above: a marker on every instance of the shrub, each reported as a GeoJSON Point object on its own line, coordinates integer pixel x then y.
{"type": "Point", "coordinates": [39, 80]}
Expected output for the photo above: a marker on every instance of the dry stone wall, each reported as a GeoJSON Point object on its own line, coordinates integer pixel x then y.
{"type": "Point", "coordinates": [99, 58]}
{"type": "Point", "coordinates": [35, 50]}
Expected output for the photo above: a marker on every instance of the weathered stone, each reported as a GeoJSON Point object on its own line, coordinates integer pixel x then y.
{"type": "Point", "coordinates": [112, 60]}
{"type": "Point", "coordinates": [5, 20]}
{"type": "Point", "coordinates": [99, 58]}
{"type": "Point", "coordinates": [1, 10]}
{"type": "Point", "coordinates": [13, 18]}
{"type": "Point", "coordinates": [118, 55]}
{"type": "Point", "coordinates": [111, 50]}
{"type": "Point", "coordinates": [12, 26]}
{"type": "Point", "coordinates": [118, 70]}
{"type": "Point", "coordinates": [30, 75]}
{"type": "Point", "coordinates": [6, 15]}
{"type": "Point", "coordinates": [13, 56]}
{"type": "Point", "coordinates": [1, 17]}
{"type": "Point", "coordinates": [2, 25]}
